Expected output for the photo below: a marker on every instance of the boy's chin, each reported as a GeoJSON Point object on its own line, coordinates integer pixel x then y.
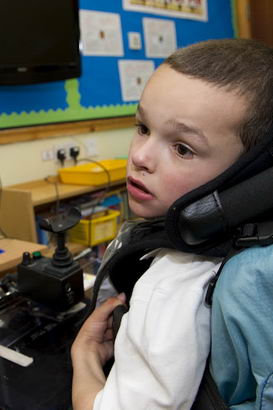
{"type": "Point", "coordinates": [145, 212]}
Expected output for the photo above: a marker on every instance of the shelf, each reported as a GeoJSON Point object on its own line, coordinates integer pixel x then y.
{"type": "Point", "coordinates": [19, 203]}
{"type": "Point", "coordinates": [43, 192]}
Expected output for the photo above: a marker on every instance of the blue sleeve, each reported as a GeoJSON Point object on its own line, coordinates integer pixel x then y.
{"type": "Point", "coordinates": [242, 330]}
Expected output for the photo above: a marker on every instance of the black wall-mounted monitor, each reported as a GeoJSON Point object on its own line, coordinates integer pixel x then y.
{"type": "Point", "coordinates": [39, 41]}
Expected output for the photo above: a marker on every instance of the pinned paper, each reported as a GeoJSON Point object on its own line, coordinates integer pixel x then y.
{"type": "Point", "coordinates": [133, 76]}
{"type": "Point", "coordinates": [101, 33]}
{"type": "Point", "coordinates": [160, 37]}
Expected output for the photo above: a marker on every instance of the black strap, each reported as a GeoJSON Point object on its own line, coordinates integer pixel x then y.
{"type": "Point", "coordinates": [208, 396]}
{"type": "Point", "coordinates": [124, 267]}
{"type": "Point", "coordinates": [118, 312]}
{"type": "Point", "coordinates": [251, 234]}
{"type": "Point", "coordinates": [213, 281]}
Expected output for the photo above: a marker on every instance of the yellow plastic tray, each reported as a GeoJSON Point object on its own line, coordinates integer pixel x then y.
{"type": "Point", "coordinates": [93, 173]}
{"type": "Point", "coordinates": [97, 230]}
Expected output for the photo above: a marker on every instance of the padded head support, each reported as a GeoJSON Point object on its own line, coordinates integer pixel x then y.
{"type": "Point", "coordinates": [209, 214]}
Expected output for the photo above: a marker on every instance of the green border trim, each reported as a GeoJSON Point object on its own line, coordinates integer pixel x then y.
{"type": "Point", "coordinates": [234, 18]}
{"type": "Point", "coordinates": [70, 114]}
{"type": "Point", "coordinates": [74, 112]}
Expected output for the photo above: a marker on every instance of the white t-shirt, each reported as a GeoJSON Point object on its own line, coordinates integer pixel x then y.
{"type": "Point", "coordinates": [164, 340]}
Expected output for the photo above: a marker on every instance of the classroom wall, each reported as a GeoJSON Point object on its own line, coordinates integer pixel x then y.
{"type": "Point", "coordinates": [22, 162]}
{"type": "Point", "coordinates": [109, 61]}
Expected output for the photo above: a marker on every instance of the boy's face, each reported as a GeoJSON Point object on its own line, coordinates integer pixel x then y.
{"type": "Point", "coordinates": [185, 136]}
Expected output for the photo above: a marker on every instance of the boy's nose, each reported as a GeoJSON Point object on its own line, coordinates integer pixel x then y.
{"type": "Point", "coordinates": [144, 156]}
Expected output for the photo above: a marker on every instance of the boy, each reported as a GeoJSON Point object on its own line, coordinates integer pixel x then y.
{"type": "Point", "coordinates": [203, 108]}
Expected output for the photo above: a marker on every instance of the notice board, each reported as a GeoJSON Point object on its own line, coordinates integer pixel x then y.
{"type": "Point", "coordinates": [122, 42]}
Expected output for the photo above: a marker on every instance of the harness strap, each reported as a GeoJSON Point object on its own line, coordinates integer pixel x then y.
{"type": "Point", "coordinates": [121, 265]}
{"type": "Point", "coordinates": [213, 281]}
{"type": "Point", "coordinates": [208, 397]}
{"type": "Point", "coordinates": [118, 313]}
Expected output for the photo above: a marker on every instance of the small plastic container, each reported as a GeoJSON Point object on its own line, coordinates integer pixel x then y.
{"type": "Point", "coordinates": [96, 230]}
{"type": "Point", "coordinates": [110, 170]}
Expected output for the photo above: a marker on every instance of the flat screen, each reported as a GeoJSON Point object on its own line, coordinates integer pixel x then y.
{"type": "Point", "coordinates": [39, 40]}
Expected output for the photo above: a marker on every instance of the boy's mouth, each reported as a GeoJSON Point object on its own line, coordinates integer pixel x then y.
{"type": "Point", "coordinates": [137, 184]}
{"type": "Point", "coordinates": [138, 190]}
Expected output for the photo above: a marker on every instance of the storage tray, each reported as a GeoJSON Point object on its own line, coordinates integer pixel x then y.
{"type": "Point", "coordinates": [99, 173]}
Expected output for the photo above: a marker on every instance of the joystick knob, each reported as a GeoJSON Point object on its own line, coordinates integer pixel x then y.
{"type": "Point", "coordinates": [26, 258]}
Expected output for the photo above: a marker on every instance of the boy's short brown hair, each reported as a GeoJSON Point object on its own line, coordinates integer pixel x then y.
{"type": "Point", "coordinates": [241, 65]}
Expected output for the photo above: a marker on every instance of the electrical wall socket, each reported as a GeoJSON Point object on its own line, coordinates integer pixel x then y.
{"type": "Point", "coordinates": [91, 147]}
{"type": "Point", "coordinates": [66, 147]}
{"type": "Point", "coordinates": [51, 153]}
{"type": "Point", "coordinates": [48, 155]}
{"type": "Point", "coordinates": [134, 39]}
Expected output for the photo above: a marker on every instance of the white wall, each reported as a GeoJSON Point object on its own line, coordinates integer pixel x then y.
{"type": "Point", "coordinates": [22, 162]}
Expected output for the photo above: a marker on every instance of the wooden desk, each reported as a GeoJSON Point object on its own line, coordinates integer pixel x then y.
{"type": "Point", "coordinates": [13, 250]}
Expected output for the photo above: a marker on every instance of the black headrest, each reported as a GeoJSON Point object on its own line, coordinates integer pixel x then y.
{"type": "Point", "coordinates": [208, 214]}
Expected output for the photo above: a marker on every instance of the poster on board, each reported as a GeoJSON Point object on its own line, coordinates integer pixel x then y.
{"type": "Point", "coordinates": [101, 33]}
{"type": "Point", "coordinates": [134, 74]}
{"type": "Point", "coordinates": [191, 9]}
{"type": "Point", "coordinates": [160, 37]}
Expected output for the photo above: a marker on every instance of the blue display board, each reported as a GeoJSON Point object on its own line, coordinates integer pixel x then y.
{"type": "Point", "coordinates": [97, 93]}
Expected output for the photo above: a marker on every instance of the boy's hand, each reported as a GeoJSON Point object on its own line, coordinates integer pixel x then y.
{"type": "Point", "coordinates": [91, 349]}
{"type": "Point", "coordinates": [96, 335]}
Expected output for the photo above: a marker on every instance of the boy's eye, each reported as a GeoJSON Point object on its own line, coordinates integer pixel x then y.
{"type": "Point", "coordinates": [183, 151]}
{"type": "Point", "coordinates": [142, 129]}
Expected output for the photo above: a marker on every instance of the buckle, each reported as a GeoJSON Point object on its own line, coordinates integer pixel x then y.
{"type": "Point", "coordinates": [254, 234]}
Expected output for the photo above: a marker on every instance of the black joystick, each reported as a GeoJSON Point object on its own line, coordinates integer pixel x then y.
{"type": "Point", "coordinates": [59, 225]}
{"type": "Point", "coordinates": [56, 282]}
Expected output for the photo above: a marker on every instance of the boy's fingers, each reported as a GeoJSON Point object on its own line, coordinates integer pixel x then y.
{"type": "Point", "coordinates": [122, 297]}
{"type": "Point", "coordinates": [99, 322]}
{"type": "Point", "coordinates": [103, 311]}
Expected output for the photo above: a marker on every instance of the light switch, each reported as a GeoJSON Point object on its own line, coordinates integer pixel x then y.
{"type": "Point", "coordinates": [134, 40]}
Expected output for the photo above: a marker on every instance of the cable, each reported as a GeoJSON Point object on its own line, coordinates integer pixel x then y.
{"type": "Point", "coordinates": [100, 199]}
{"type": "Point", "coordinates": [57, 208]}
{"type": "Point", "coordinates": [55, 183]}
{"type": "Point", "coordinates": [99, 164]}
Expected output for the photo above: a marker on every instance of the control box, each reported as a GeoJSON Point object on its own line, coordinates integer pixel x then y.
{"type": "Point", "coordinates": [60, 288]}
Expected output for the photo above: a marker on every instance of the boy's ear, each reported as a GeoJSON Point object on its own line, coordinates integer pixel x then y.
{"type": "Point", "coordinates": [209, 215]}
